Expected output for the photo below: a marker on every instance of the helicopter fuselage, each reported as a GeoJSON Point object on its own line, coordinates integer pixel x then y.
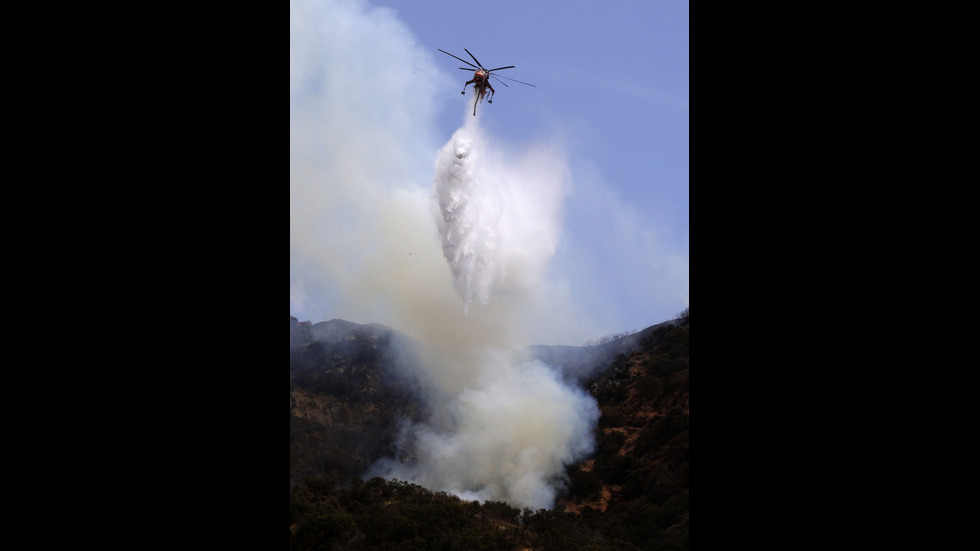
{"type": "Point", "coordinates": [481, 78]}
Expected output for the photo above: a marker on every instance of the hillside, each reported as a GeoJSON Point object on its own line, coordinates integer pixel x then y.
{"type": "Point", "coordinates": [345, 406]}
{"type": "Point", "coordinates": [580, 362]}
{"type": "Point", "coordinates": [345, 397]}
{"type": "Point", "coordinates": [636, 488]}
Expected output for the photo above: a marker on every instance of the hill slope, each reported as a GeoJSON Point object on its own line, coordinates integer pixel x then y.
{"type": "Point", "coordinates": [636, 488]}
{"type": "Point", "coordinates": [581, 362]}
{"type": "Point", "coordinates": [346, 397]}
{"type": "Point", "coordinates": [345, 406]}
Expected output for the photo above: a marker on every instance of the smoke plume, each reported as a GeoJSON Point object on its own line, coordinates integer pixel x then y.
{"type": "Point", "coordinates": [513, 425]}
{"type": "Point", "coordinates": [507, 438]}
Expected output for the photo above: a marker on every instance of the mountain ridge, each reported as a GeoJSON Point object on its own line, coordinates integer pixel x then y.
{"type": "Point", "coordinates": [575, 362]}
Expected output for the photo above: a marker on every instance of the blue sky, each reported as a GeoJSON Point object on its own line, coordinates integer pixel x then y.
{"type": "Point", "coordinates": [613, 73]}
{"type": "Point", "coordinates": [369, 89]}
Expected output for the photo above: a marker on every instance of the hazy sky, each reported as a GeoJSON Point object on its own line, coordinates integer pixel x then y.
{"type": "Point", "coordinates": [373, 101]}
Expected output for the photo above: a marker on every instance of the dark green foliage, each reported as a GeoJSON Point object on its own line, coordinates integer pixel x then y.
{"type": "Point", "coordinates": [615, 469]}
{"type": "Point", "coordinates": [650, 341]}
{"type": "Point", "coordinates": [322, 528]}
{"type": "Point", "coordinates": [612, 416]}
{"type": "Point", "coordinates": [382, 514]}
{"type": "Point", "coordinates": [586, 483]}
{"type": "Point", "coordinates": [642, 447]}
{"type": "Point", "coordinates": [611, 386]}
{"type": "Point", "coordinates": [676, 344]}
{"type": "Point", "coordinates": [661, 430]}
{"type": "Point", "coordinates": [395, 515]}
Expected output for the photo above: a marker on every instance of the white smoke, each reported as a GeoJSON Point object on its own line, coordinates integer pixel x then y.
{"type": "Point", "coordinates": [508, 438]}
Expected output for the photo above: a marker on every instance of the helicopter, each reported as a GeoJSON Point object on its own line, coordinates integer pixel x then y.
{"type": "Point", "coordinates": [481, 78]}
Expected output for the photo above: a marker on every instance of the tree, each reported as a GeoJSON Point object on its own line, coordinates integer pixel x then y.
{"type": "Point", "coordinates": [321, 528]}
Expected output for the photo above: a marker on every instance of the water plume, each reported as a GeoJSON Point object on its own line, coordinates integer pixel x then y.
{"type": "Point", "coordinates": [498, 214]}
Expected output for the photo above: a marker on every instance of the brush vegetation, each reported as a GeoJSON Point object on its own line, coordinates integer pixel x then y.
{"type": "Point", "coordinates": [632, 494]}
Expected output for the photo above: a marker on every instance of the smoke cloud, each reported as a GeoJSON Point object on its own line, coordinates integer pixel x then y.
{"type": "Point", "coordinates": [447, 241]}
{"type": "Point", "coordinates": [507, 438]}
{"type": "Point", "coordinates": [514, 425]}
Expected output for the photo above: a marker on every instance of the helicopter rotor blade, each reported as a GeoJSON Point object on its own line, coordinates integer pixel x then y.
{"type": "Point", "coordinates": [515, 80]}
{"type": "Point", "coordinates": [461, 59]}
{"type": "Point", "coordinates": [475, 59]}
{"type": "Point", "coordinates": [499, 68]}
{"type": "Point", "coordinates": [498, 80]}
